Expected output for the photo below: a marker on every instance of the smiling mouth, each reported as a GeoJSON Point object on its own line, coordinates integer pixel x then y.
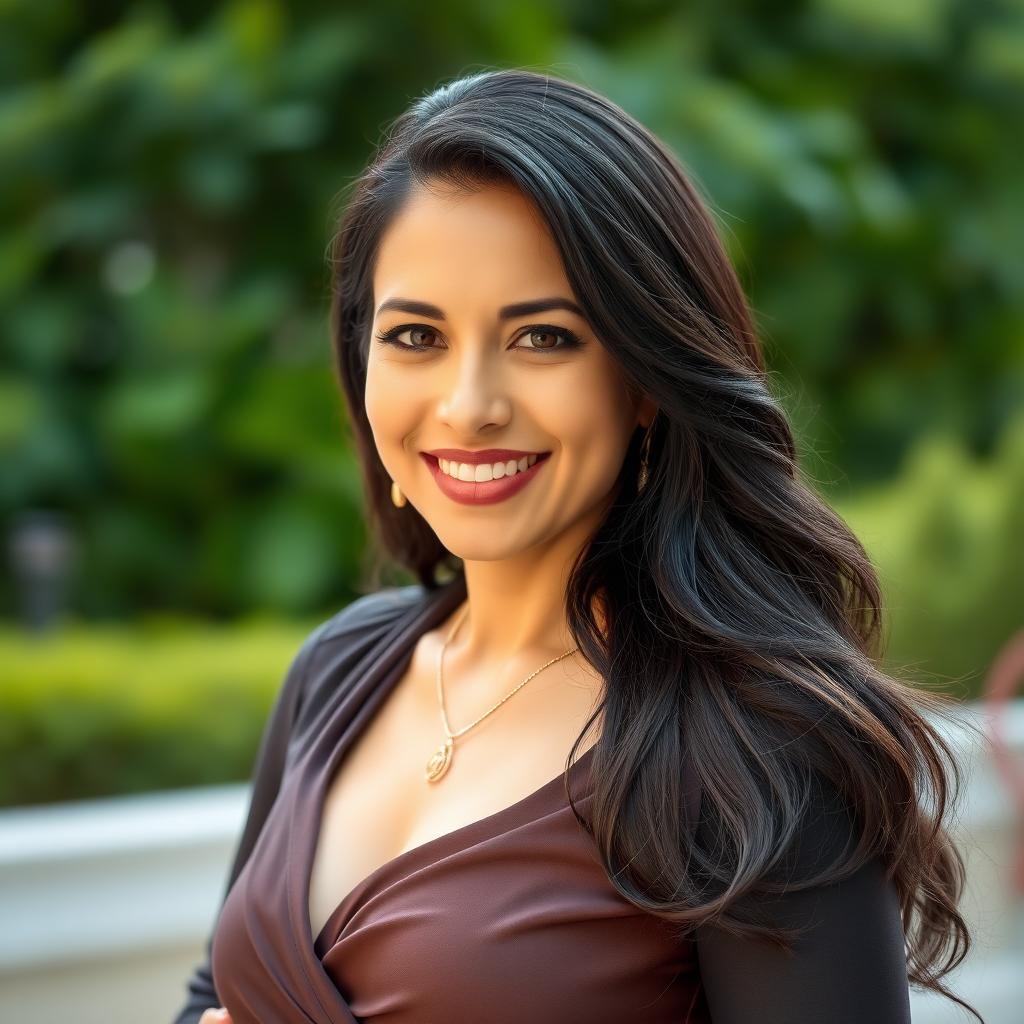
{"type": "Point", "coordinates": [485, 492]}
{"type": "Point", "coordinates": [467, 472]}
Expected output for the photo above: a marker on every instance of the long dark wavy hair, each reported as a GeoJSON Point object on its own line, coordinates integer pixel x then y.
{"type": "Point", "coordinates": [742, 615]}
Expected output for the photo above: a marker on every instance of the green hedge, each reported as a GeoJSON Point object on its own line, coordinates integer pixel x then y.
{"type": "Point", "coordinates": [947, 541]}
{"type": "Point", "coordinates": [102, 710]}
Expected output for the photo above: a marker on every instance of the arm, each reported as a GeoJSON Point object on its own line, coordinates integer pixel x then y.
{"type": "Point", "coordinates": [847, 968]}
{"type": "Point", "coordinates": [266, 780]}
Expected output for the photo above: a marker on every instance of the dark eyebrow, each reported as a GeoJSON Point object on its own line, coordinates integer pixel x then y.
{"type": "Point", "coordinates": [517, 309]}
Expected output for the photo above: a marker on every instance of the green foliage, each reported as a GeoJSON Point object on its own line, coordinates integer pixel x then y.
{"type": "Point", "coordinates": [103, 710]}
{"type": "Point", "coordinates": [169, 177]}
{"type": "Point", "coordinates": [946, 538]}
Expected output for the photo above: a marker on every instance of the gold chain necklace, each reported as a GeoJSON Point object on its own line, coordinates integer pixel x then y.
{"type": "Point", "coordinates": [441, 759]}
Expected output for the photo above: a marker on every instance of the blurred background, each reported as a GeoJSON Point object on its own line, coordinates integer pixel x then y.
{"type": "Point", "coordinates": [179, 503]}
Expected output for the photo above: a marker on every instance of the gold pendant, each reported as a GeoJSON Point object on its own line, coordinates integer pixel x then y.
{"type": "Point", "coordinates": [439, 761]}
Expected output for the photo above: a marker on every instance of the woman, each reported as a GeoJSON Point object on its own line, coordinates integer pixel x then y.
{"type": "Point", "coordinates": [562, 414]}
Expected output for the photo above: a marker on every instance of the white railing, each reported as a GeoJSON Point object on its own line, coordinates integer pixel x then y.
{"type": "Point", "coordinates": [107, 903]}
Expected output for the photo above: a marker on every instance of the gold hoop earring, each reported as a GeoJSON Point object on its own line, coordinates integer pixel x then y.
{"type": "Point", "coordinates": [645, 451]}
{"type": "Point", "coordinates": [398, 499]}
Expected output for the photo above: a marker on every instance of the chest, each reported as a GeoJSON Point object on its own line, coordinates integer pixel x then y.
{"type": "Point", "coordinates": [378, 803]}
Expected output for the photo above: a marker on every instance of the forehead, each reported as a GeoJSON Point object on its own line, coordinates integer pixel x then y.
{"type": "Point", "coordinates": [491, 245]}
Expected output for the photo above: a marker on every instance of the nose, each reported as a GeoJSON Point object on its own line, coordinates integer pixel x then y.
{"type": "Point", "coordinates": [474, 394]}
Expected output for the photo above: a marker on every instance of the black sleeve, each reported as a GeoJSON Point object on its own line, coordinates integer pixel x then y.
{"type": "Point", "coordinates": [849, 964]}
{"type": "Point", "coordinates": [266, 779]}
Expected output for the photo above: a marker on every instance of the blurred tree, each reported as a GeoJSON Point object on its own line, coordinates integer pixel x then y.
{"type": "Point", "coordinates": [170, 173]}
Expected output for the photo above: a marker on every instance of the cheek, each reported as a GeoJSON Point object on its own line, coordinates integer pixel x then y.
{"type": "Point", "coordinates": [377, 383]}
{"type": "Point", "coordinates": [387, 402]}
{"type": "Point", "coordinates": [385, 413]}
{"type": "Point", "coordinates": [594, 404]}
{"type": "Point", "coordinates": [591, 422]}
{"type": "Point", "coordinates": [376, 408]}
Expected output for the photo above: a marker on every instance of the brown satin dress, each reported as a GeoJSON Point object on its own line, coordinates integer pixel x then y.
{"type": "Point", "coordinates": [510, 918]}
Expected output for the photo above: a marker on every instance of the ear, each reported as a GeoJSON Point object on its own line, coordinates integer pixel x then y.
{"type": "Point", "coordinates": [646, 411]}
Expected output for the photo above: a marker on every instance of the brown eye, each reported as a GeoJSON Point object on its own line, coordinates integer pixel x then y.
{"type": "Point", "coordinates": [419, 332]}
{"type": "Point", "coordinates": [550, 335]}
{"type": "Point", "coordinates": [552, 339]}
{"type": "Point", "coordinates": [391, 337]}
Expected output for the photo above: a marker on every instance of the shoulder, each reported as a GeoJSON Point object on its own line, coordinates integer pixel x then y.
{"type": "Point", "coordinates": [813, 834]}
{"type": "Point", "coordinates": [369, 611]}
{"type": "Point", "coordinates": [364, 613]}
{"type": "Point", "coordinates": [336, 645]}
{"type": "Point", "coordinates": [824, 832]}
{"type": "Point", "coordinates": [360, 621]}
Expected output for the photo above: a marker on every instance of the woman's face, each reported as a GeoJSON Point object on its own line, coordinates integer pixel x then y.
{"type": "Point", "coordinates": [493, 384]}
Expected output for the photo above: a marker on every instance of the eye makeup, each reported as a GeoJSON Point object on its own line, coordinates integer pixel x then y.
{"type": "Point", "coordinates": [571, 340]}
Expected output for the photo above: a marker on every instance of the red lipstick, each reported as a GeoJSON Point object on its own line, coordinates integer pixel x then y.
{"type": "Point", "coordinates": [480, 455]}
{"type": "Point", "coordinates": [485, 492]}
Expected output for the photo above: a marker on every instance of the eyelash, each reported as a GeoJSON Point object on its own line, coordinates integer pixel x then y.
{"type": "Point", "coordinates": [572, 340]}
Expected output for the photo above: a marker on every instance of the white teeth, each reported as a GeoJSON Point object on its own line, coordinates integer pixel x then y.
{"type": "Point", "coordinates": [484, 471]}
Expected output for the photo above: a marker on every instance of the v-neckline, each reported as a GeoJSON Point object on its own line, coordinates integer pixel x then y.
{"type": "Point", "coordinates": [431, 850]}
{"type": "Point", "coordinates": [424, 618]}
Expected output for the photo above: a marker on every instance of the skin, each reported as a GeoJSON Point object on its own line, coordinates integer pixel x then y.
{"type": "Point", "coordinates": [488, 383]}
